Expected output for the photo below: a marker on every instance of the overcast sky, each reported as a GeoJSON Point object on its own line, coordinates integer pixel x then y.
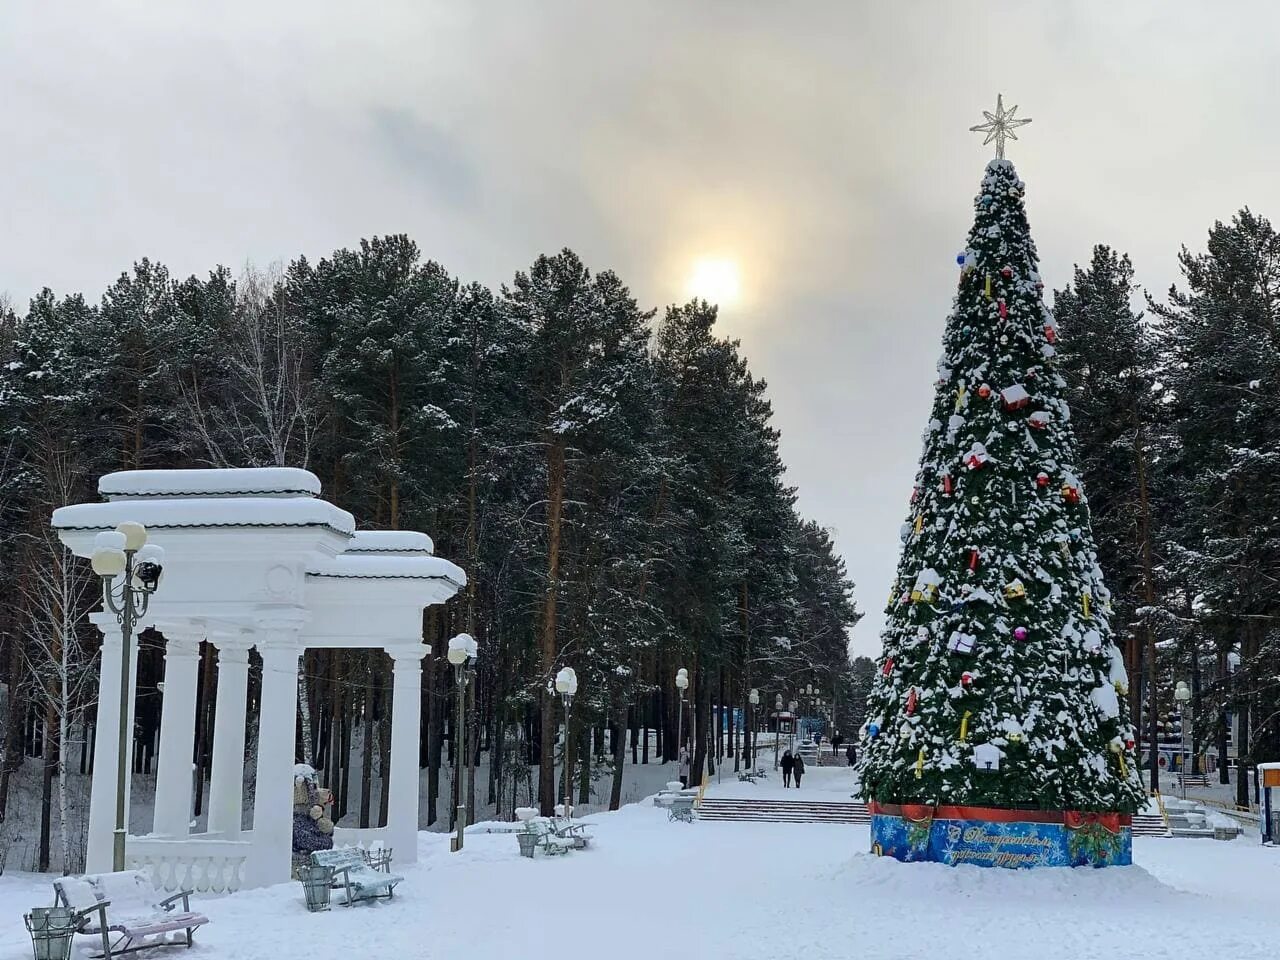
{"type": "Point", "coordinates": [824, 146]}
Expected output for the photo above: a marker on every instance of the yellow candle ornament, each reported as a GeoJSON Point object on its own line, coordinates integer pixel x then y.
{"type": "Point", "coordinates": [1084, 603]}
{"type": "Point", "coordinates": [964, 726]}
{"type": "Point", "coordinates": [920, 524]}
{"type": "Point", "coordinates": [920, 764]}
{"type": "Point", "coordinates": [960, 395]}
{"type": "Point", "coordinates": [987, 288]}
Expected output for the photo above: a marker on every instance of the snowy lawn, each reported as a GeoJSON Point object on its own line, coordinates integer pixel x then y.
{"type": "Point", "coordinates": [740, 891]}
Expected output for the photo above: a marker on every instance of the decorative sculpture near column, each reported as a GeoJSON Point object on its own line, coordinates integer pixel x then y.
{"type": "Point", "coordinates": [312, 826]}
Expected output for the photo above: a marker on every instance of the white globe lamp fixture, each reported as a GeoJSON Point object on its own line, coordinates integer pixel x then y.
{"type": "Point", "coordinates": [135, 535]}
{"type": "Point", "coordinates": [109, 558]}
{"type": "Point", "coordinates": [462, 648]}
{"type": "Point", "coordinates": [567, 682]}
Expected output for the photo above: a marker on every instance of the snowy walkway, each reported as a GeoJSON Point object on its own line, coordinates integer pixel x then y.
{"type": "Point", "coordinates": [744, 891]}
{"type": "Point", "coordinates": [830, 784]}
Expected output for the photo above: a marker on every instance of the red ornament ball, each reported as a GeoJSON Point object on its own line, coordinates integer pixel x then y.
{"type": "Point", "coordinates": [1042, 479]}
{"type": "Point", "coordinates": [1019, 633]}
{"type": "Point", "coordinates": [1129, 744]}
{"type": "Point", "coordinates": [1007, 273]}
{"type": "Point", "coordinates": [984, 391]}
{"type": "Point", "coordinates": [966, 679]}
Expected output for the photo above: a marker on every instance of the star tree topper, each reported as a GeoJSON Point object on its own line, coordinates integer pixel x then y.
{"type": "Point", "coordinates": [1000, 125]}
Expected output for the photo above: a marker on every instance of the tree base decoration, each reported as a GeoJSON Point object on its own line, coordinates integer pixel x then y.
{"type": "Point", "coordinates": [997, 837]}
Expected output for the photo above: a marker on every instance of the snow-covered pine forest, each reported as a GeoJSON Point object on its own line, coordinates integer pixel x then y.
{"type": "Point", "coordinates": [608, 476]}
{"type": "Point", "coordinates": [1176, 409]}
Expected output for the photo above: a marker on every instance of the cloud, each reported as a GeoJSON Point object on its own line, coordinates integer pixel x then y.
{"type": "Point", "coordinates": [823, 145]}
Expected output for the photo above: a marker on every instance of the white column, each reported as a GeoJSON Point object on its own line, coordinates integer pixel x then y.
{"type": "Point", "coordinates": [226, 782]}
{"type": "Point", "coordinates": [269, 858]}
{"type": "Point", "coordinates": [102, 797]}
{"type": "Point", "coordinates": [177, 732]}
{"type": "Point", "coordinates": [406, 720]}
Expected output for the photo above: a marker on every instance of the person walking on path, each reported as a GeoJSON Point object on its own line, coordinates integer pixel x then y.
{"type": "Point", "coordinates": [851, 755]}
{"type": "Point", "coordinates": [799, 769]}
{"type": "Point", "coordinates": [835, 743]}
{"type": "Point", "coordinates": [684, 767]}
{"type": "Point", "coordinates": [788, 764]}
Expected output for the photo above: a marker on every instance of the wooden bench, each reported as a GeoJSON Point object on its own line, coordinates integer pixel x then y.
{"type": "Point", "coordinates": [124, 906]}
{"type": "Point", "coordinates": [354, 876]}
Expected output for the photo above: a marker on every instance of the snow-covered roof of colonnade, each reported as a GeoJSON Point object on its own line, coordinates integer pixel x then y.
{"type": "Point", "coordinates": [244, 544]}
{"type": "Point", "coordinates": [377, 587]}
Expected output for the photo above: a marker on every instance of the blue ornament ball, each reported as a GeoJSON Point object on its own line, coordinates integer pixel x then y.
{"type": "Point", "coordinates": [960, 259]}
{"type": "Point", "coordinates": [873, 730]}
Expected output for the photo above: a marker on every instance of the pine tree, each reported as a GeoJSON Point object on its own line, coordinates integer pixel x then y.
{"type": "Point", "coordinates": [135, 341]}
{"type": "Point", "coordinates": [999, 623]}
{"type": "Point", "coordinates": [587, 341]}
{"type": "Point", "coordinates": [1222, 363]}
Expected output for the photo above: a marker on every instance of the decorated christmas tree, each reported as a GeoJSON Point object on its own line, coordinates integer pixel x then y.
{"type": "Point", "coordinates": [1000, 685]}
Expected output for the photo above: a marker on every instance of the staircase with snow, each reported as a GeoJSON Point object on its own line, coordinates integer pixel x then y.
{"type": "Point", "coordinates": [1189, 819]}
{"type": "Point", "coordinates": [782, 811]}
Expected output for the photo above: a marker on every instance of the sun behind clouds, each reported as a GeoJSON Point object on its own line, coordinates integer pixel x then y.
{"type": "Point", "coordinates": [717, 280]}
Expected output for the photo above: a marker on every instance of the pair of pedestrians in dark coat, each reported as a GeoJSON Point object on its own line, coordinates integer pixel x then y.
{"type": "Point", "coordinates": [791, 765]}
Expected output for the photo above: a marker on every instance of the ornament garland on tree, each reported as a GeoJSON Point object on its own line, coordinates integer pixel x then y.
{"type": "Point", "coordinates": [1008, 642]}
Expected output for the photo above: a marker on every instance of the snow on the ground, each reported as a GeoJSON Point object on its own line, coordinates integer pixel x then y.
{"type": "Point", "coordinates": [741, 891]}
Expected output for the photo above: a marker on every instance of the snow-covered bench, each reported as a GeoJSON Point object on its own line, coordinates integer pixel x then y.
{"type": "Point", "coordinates": [538, 836]}
{"type": "Point", "coordinates": [678, 803]}
{"type": "Point", "coordinates": [123, 906]}
{"type": "Point", "coordinates": [575, 833]}
{"type": "Point", "coordinates": [353, 875]}
{"type": "Point", "coordinates": [751, 776]}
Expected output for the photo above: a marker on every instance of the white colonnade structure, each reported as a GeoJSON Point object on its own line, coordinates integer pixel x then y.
{"type": "Point", "coordinates": [253, 559]}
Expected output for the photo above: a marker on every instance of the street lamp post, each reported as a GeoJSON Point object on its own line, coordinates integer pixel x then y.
{"type": "Point", "coordinates": [1182, 693]}
{"type": "Point", "coordinates": [777, 727]}
{"type": "Point", "coordinates": [682, 684]}
{"type": "Point", "coordinates": [124, 553]}
{"type": "Point", "coordinates": [791, 737]}
{"type": "Point", "coordinates": [463, 650]}
{"type": "Point", "coordinates": [753, 699]}
{"type": "Point", "coordinates": [567, 686]}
